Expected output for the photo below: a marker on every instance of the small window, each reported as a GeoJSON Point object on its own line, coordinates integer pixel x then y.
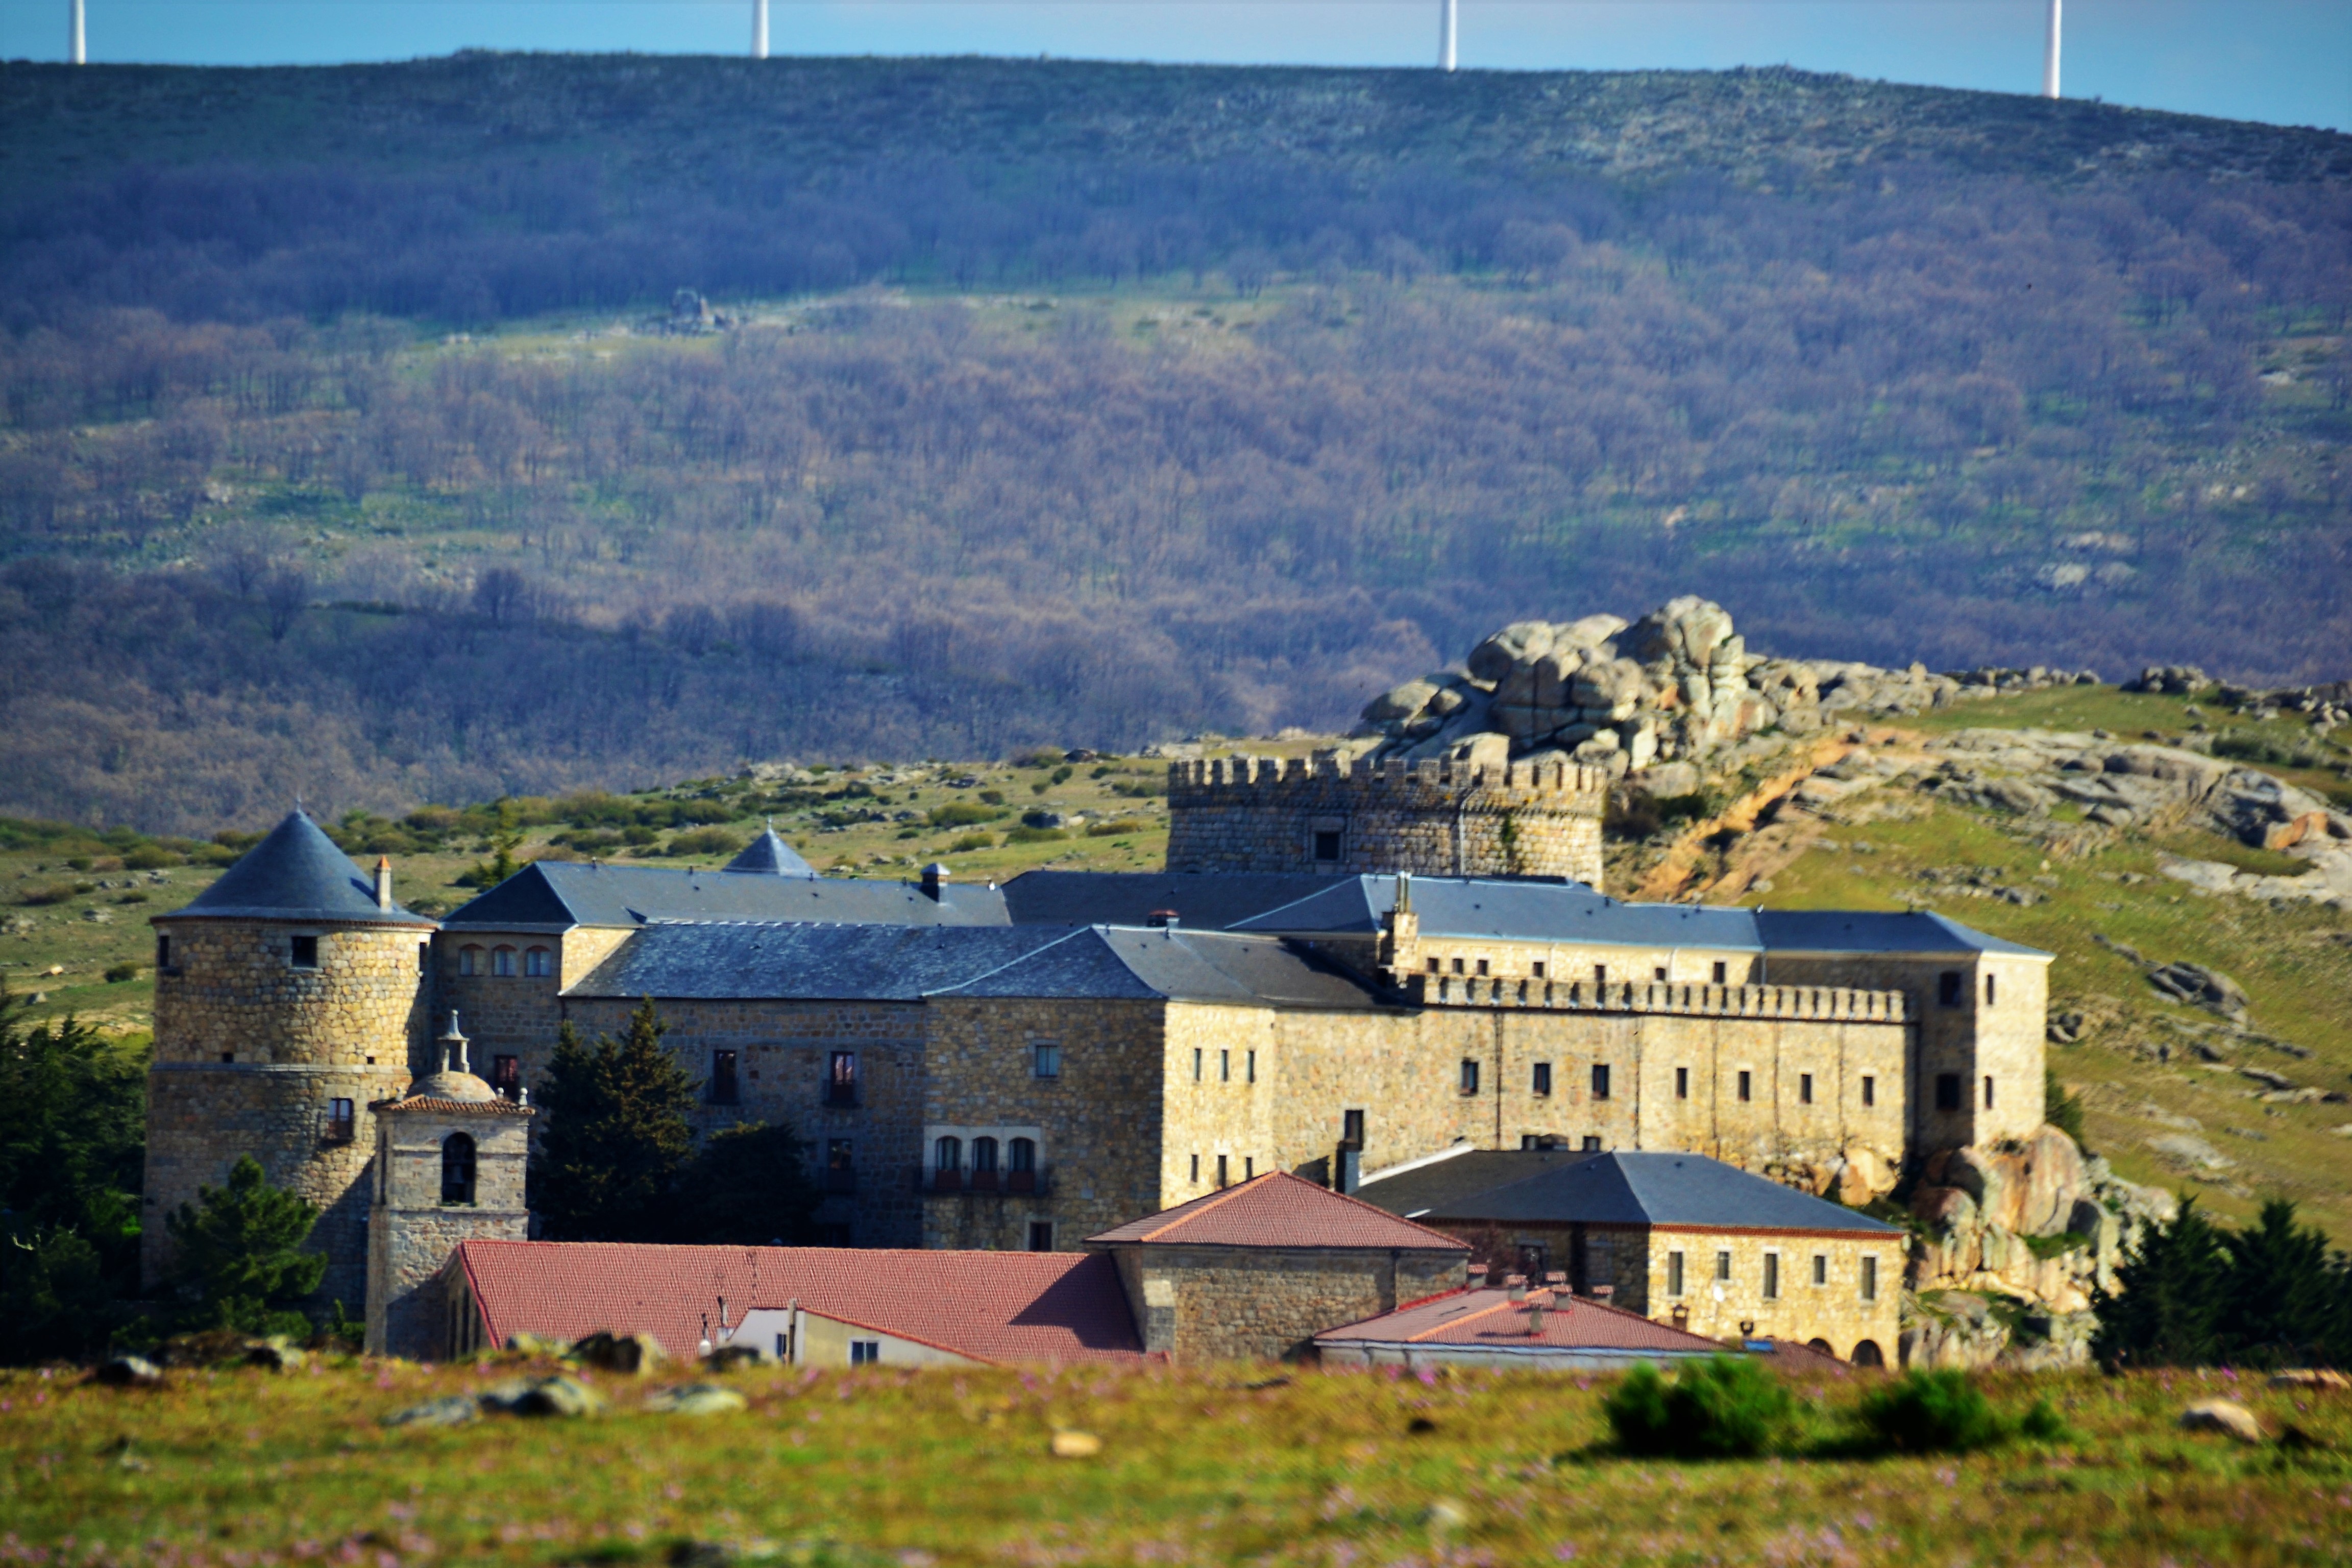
{"type": "Point", "coordinates": [535, 963]}
{"type": "Point", "coordinates": [1327, 845]}
{"type": "Point", "coordinates": [1224, 1067]}
{"type": "Point", "coordinates": [840, 1167]}
{"type": "Point", "coordinates": [1046, 1059]}
{"type": "Point", "coordinates": [469, 961]}
{"type": "Point", "coordinates": [1804, 1088]}
{"type": "Point", "coordinates": [1989, 990]}
{"type": "Point", "coordinates": [458, 1169]}
{"type": "Point", "coordinates": [1592, 1143]}
{"type": "Point", "coordinates": [865, 1353]}
{"type": "Point", "coordinates": [1249, 1068]}
{"type": "Point", "coordinates": [1659, 973]}
{"type": "Point", "coordinates": [1869, 1090]}
{"type": "Point", "coordinates": [1821, 1267]}
{"type": "Point", "coordinates": [947, 1154]}
{"type": "Point", "coordinates": [1723, 1268]}
{"type": "Point", "coordinates": [506, 1075]}
{"type": "Point", "coordinates": [1041, 1235]}
{"type": "Point", "coordinates": [1469, 1075]}
{"type": "Point", "coordinates": [1771, 1276]}
{"type": "Point", "coordinates": [1988, 1091]}
{"type": "Point", "coordinates": [343, 1121]}
{"type": "Point", "coordinates": [304, 952]}
{"type": "Point", "coordinates": [502, 963]}
{"type": "Point", "coordinates": [1599, 1081]}
{"type": "Point", "coordinates": [1482, 966]}
{"type": "Point", "coordinates": [1747, 1085]}
{"type": "Point", "coordinates": [723, 1088]}
{"type": "Point", "coordinates": [1948, 988]}
{"type": "Point", "coordinates": [1722, 973]}
{"type": "Point", "coordinates": [1196, 1170]}
{"type": "Point", "coordinates": [1196, 1064]}
{"type": "Point", "coordinates": [1542, 1084]}
{"type": "Point", "coordinates": [841, 1080]}
{"type": "Point", "coordinates": [1601, 974]}
{"type": "Point", "coordinates": [162, 952]}
{"type": "Point", "coordinates": [1682, 1083]}
{"type": "Point", "coordinates": [424, 958]}
{"type": "Point", "coordinates": [1870, 1278]}
{"type": "Point", "coordinates": [1436, 964]}
{"type": "Point", "coordinates": [1948, 1092]}
{"type": "Point", "coordinates": [1352, 1130]}
{"type": "Point", "coordinates": [1021, 1157]}
{"type": "Point", "coordinates": [1674, 1273]}
{"type": "Point", "coordinates": [1221, 1173]}
{"type": "Point", "coordinates": [1536, 969]}
{"type": "Point", "coordinates": [983, 1156]}
{"type": "Point", "coordinates": [1249, 1167]}
{"type": "Point", "coordinates": [1457, 966]}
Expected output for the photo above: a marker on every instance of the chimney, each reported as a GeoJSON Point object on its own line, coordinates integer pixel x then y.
{"type": "Point", "coordinates": [1160, 920]}
{"type": "Point", "coordinates": [453, 1047]}
{"type": "Point", "coordinates": [935, 877]}
{"type": "Point", "coordinates": [1475, 1272]}
{"type": "Point", "coordinates": [1681, 1315]}
{"type": "Point", "coordinates": [1517, 1284]}
{"type": "Point", "coordinates": [383, 881]}
{"type": "Point", "coordinates": [1603, 1293]}
{"type": "Point", "coordinates": [1556, 1282]}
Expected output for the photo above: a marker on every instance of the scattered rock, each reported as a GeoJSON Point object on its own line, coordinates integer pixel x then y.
{"type": "Point", "coordinates": [2181, 1148]}
{"type": "Point", "coordinates": [456, 1410]}
{"type": "Point", "coordinates": [2319, 1380]}
{"type": "Point", "coordinates": [727, 1358]}
{"type": "Point", "coordinates": [2223, 1415]}
{"type": "Point", "coordinates": [129, 1372]}
{"type": "Point", "coordinates": [543, 1397]}
{"type": "Point", "coordinates": [274, 1353]}
{"type": "Point", "coordinates": [697, 1399]}
{"type": "Point", "coordinates": [2199, 986]}
{"type": "Point", "coordinates": [635, 1355]}
{"type": "Point", "coordinates": [1075, 1445]}
{"type": "Point", "coordinates": [1446, 1516]}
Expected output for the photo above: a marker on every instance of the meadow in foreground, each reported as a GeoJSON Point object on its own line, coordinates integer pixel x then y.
{"type": "Point", "coordinates": [1211, 1465]}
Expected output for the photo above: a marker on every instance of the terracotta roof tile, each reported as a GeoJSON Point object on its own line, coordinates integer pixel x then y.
{"type": "Point", "coordinates": [1485, 1316]}
{"type": "Point", "coordinates": [439, 1107]}
{"type": "Point", "coordinates": [1279, 1209]}
{"type": "Point", "coordinates": [991, 1306]}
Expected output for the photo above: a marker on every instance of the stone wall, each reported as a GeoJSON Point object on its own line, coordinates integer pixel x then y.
{"type": "Point", "coordinates": [1235, 1303]}
{"type": "Point", "coordinates": [1835, 1313]}
{"type": "Point", "coordinates": [1438, 818]}
{"type": "Point", "coordinates": [411, 1233]}
{"type": "Point", "coordinates": [515, 1014]}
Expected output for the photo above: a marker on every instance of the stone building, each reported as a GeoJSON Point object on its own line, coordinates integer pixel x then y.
{"type": "Point", "coordinates": [290, 998]}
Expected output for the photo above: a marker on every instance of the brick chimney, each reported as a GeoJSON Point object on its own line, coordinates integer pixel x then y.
{"type": "Point", "coordinates": [383, 881]}
{"type": "Point", "coordinates": [1517, 1284]}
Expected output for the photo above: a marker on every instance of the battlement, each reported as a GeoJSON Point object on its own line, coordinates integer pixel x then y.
{"type": "Point", "coordinates": [1435, 817]}
{"type": "Point", "coordinates": [1810, 1003]}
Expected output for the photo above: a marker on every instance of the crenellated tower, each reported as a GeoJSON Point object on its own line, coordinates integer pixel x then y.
{"type": "Point", "coordinates": [290, 995]}
{"type": "Point", "coordinates": [1440, 817]}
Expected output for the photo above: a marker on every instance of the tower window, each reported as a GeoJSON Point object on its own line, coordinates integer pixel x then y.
{"type": "Point", "coordinates": [1659, 972]}
{"type": "Point", "coordinates": [1196, 1170]}
{"type": "Point", "coordinates": [1196, 1064]}
{"type": "Point", "coordinates": [1469, 1075]}
{"type": "Point", "coordinates": [1989, 990]}
{"type": "Point", "coordinates": [1457, 966]}
{"type": "Point", "coordinates": [1869, 1091]}
{"type": "Point", "coordinates": [840, 1080]}
{"type": "Point", "coordinates": [1249, 1067]}
{"type": "Point", "coordinates": [1948, 1092]}
{"type": "Point", "coordinates": [983, 1160]}
{"type": "Point", "coordinates": [1482, 966]}
{"type": "Point", "coordinates": [1988, 1091]}
{"type": "Point", "coordinates": [458, 1169]}
{"type": "Point", "coordinates": [535, 965]}
{"type": "Point", "coordinates": [1870, 1278]}
{"type": "Point", "coordinates": [506, 1075]}
{"type": "Point", "coordinates": [1536, 969]}
{"type": "Point", "coordinates": [1601, 974]}
{"type": "Point", "coordinates": [502, 963]}
{"type": "Point", "coordinates": [1948, 988]}
{"type": "Point", "coordinates": [1674, 1273]}
{"type": "Point", "coordinates": [1600, 1080]}
{"type": "Point", "coordinates": [1682, 1083]}
{"type": "Point", "coordinates": [1542, 1084]}
{"type": "Point", "coordinates": [1436, 964]}
{"type": "Point", "coordinates": [1821, 1267]}
{"type": "Point", "coordinates": [1221, 1173]}
{"type": "Point", "coordinates": [1804, 1088]}
{"type": "Point", "coordinates": [1224, 1067]}
{"type": "Point", "coordinates": [1747, 1085]}
{"type": "Point", "coordinates": [1327, 845]}
{"type": "Point", "coordinates": [469, 961]}
{"type": "Point", "coordinates": [1722, 972]}
{"type": "Point", "coordinates": [947, 1154]}
{"type": "Point", "coordinates": [162, 952]}
{"type": "Point", "coordinates": [343, 1121]}
{"type": "Point", "coordinates": [1771, 1276]}
{"type": "Point", "coordinates": [1723, 1268]}
{"type": "Point", "coordinates": [424, 958]}
{"type": "Point", "coordinates": [1046, 1059]}
{"type": "Point", "coordinates": [724, 1089]}
{"type": "Point", "coordinates": [303, 952]}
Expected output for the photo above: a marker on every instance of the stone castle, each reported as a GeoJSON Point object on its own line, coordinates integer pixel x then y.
{"type": "Point", "coordinates": [1345, 968]}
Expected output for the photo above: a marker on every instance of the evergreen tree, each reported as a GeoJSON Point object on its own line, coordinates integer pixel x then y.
{"type": "Point", "coordinates": [2167, 1308]}
{"type": "Point", "coordinates": [615, 1135]}
{"type": "Point", "coordinates": [750, 1185]}
{"type": "Point", "coordinates": [2281, 1291]}
{"type": "Point", "coordinates": [240, 1254]}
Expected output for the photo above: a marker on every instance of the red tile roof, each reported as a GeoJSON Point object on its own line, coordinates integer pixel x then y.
{"type": "Point", "coordinates": [991, 1306]}
{"type": "Point", "coordinates": [1485, 1316]}
{"type": "Point", "coordinates": [1279, 1209]}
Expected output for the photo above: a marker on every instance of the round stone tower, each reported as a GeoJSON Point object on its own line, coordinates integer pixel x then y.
{"type": "Point", "coordinates": [290, 995]}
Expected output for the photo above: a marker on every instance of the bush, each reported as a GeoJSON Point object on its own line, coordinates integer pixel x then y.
{"type": "Point", "coordinates": [1726, 1407]}
{"type": "Point", "coordinates": [1944, 1413]}
{"type": "Point", "coordinates": [961, 813]}
{"type": "Point", "coordinates": [1116, 827]}
{"type": "Point", "coordinates": [972, 841]}
{"type": "Point", "coordinates": [149, 857]}
{"type": "Point", "coordinates": [117, 974]}
{"type": "Point", "coordinates": [705, 841]}
{"type": "Point", "coordinates": [54, 893]}
{"type": "Point", "coordinates": [1024, 833]}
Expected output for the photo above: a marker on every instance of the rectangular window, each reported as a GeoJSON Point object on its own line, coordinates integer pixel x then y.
{"type": "Point", "coordinates": [1221, 1173]}
{"type": "Point", "coordinates": [1249, 1068]}
{"type": "Point", "coordinates": [506, 1075]}
{"type": "Point", "coordinates": [343, 1121]}
{"type": "Point", "coordinates": [840, 1166]}
{"type": "Point", "coordinates": [1046, 1059]}
{"type": "Point", "coordinates": [1988, 992]}
{"type": "Point", "coordinates": [535, 963]}
{"type": "Point", "coordinates": [1821, 1267]}
{"type": "Point", "coordinates": [1659, 973]}
{"type": "Point", "coordinates": [1948, 1092]}
{"type": "Point", "coordinates": [1674, 1273]}
{"type": "Point", "coordinates": [1592, 1143]}
{"type": "Point", "coordinates": [1224, 1067]}
{"type": "Point", "coordinates": [1599, 1081]}
{"type": "Point", "coordinates": [1723, 1268]}
{"type": "Point", "coordinates": [1352, 1130]}
{"type": "Point", "coordinates": [424, 958]}
{"type": "Point", "coordinates": [1870, 1278]}
{"type": "Point", "coordinates": [1469, 1075]}
{"type": "Point", "coordinates": [1771, 1276]}
{"type": "Point", "coordinates": [1948, 988]}
{"type": "Point", "coordinates": [1542, 1084]}
{"type": "Point", "coordinates": [469, 960]}
{"type": "Point", "coordinates": [1682, 1083]}
{"type": "Point", "coordinates": [304, 952]}
{"type": "Point", "coordinates": [1747, 1085]}
{"type": "Point", "coordinates": [162, 952]}
{"type": "Point", "coordinates": [1869, 1090]}
{"type": "Point", "coordinates": [1196, 1170]}
{"type": "Point", "coordinates": [1327, 845]}
{"type": "Point", "coordinates": [1601, 974]}
{"type": "Point", "coordinates": [1196, 1064]}
{"type": "Point", "coordinates": [1482, 966]}
{"type": "Point", "coordinates": [865, 1353]}
{"type": "Point", "coordinates": [723, 1088]}
{"type": "Point", "coordinates": [1722, 973]}
{"type": "Point", "coordinates": [1457, 966]}
{"type": "Point", "coordinates": [1988, 1091]}
{"type": "Point", "coordinates": [1538, 969]}
{"type": "Point", "coordinates": [1804, 1088]}
{"type": "Point", "coordinates": [1041, 1235]}
{"type": "Point", "coordinates": [1249, 1167]}
{"type": "Point", "coordinates": [1436, 964]}
{"type": "Point", "coordinates": [841, 1080]}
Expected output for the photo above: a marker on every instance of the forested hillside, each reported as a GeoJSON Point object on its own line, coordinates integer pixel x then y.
{"type": "Point", "coordinates": [349, 446]}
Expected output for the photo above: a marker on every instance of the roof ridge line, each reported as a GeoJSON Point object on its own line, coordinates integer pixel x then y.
{"type": "Point", "coordinates": [1503, 1305]}
{"type": "Point", "coordinates": [1023, 958]}
{"type": "Point", "coordinates": [1200, 1207]}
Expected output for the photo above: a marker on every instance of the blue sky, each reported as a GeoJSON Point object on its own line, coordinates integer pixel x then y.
{"type": "Point", "coordinates": [2286, 61]}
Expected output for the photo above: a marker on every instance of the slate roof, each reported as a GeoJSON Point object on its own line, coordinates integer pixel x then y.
{"type": "Point", "coordinates": [769, 856]}
{"type": "Point", "coordinates": [1120, 961]}
{"type": "Point", "coordinates": [1514, 911]}
{"type": "Point", "coordinates": [295, 873]}
{"type": "Point", "coordinates": [993, 1306]}
{"type": "Point", "coordinates": [1863, 930]}
{"type": "Point", "coordinates": [562, 893]}
{"type": "Point", "coordinates": [1203, 900]}
{"type": "Point", "coordinates": [1489, 1317]}
{"type": "Point", "coordinates": [1618, 1188]}
{"type": "Point", "coordinates": [734, 959]}
{"type": "Point", "coordinates": [1278, 1209]}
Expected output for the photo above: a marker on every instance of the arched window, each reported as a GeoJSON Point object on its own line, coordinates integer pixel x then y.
{"type": "Point", "coordinates": [1021, 1165]}
{"type": "Point", "coordinates": [469, 961]}
{"type": "Point", "coordinates": [947, 1161]}
{"type": "Point", "coordinates": [502, 963]}
{"type": "Point", "coordinates": [535, 962]}
{"type": "Point", "coordinates": [458, 1169]}
{"type": "Point", "coordinates": [1867, 1353]}
{"type": "Point", "coordinates": [983, 1163]}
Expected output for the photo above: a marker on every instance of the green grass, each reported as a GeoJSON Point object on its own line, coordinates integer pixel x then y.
{"type": "Point", "coordinates": [1209, 1465]}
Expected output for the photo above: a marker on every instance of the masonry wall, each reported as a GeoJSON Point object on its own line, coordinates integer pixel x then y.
{"type": "Point", "coordinates": [1099, 1123]}
{"type": "Point", "coordinates": [411, 1233]}
{"type": "Point", "coordinates": [1436, 818]}
{"type": "Point", "coordinates": [1234, 1303]}
{"type": "Point", "coordinates": [1836, 1313]}
{"type": "Point", "coordinates": [783, 1054]}
{"type": "Point", "coordinates": [515, 1014]}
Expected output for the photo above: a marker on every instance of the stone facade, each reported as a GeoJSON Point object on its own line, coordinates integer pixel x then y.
{"type": "Point", "coordinates": [1836, 1312]}
{"type": "Point", "coordinates": [413, 1227]}
{"type": "Point", "coordinates": [1435, 819]}
{"type": "Point", "coordinates": [1240, 1303]}
{"type": "Point", "coordinates": [251, 1056]}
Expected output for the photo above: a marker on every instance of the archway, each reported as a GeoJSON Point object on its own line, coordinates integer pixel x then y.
{"type": "Point", "coordinates": [1867, 1353]}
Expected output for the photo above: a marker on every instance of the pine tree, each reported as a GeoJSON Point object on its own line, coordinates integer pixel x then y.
{"type": "Point", "coordinates": [2280, 1291]}
{"type": "Point", "coordinates": [750, 1185]}
{"type": "Point", "coordinates": [2167, 1308]}
{"type": "Point", "coordinates": [240, 1254]}
{"type": "Point", "coordinates": [615, 1135]}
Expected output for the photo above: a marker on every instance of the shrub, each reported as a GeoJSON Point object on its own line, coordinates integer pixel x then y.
{"type": "Point", "coordinates": [149, 857]}
{"type": "Point", "coordinates": [961, 813]}
{"type": "Point", "coordinates": [116, 974]}
{"type": "Point", "coordinates": [992, 796]}
{"type": "Point", "coordinates": [1117, 825]}
{"type": "Point", "coordinates": [1726, 1407]}
{"type": "Point", "coordinates": [1944, 1413]}
{"type": "Point", "coordinates": [1024, 833]}
{"type": "Point", "coordinates": [54, 893]}
{"type": "Point", "coordinates": [705, 841]}
{"type": "Point", "coordinates": [972, 841]}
